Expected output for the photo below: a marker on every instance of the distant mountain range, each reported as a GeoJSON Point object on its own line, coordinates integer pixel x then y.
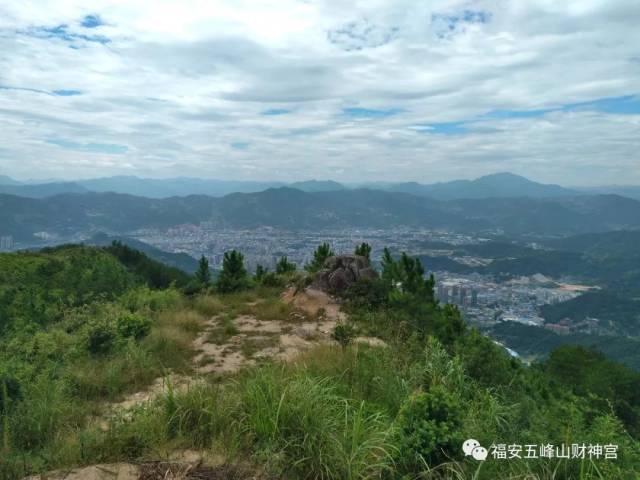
{"type": "Point", "coordinates": [622, 190]}
{"type": "Point", "coordinates": [499, 185]}
{"type": "Point", "coordinates": [288, 208]}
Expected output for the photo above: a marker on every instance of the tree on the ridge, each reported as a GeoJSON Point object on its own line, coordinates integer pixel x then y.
{"type": "Point", "coordinates": [203, 274]}
{"type": "Point", "coordinates": [260, 272]}
{"type": "Point", "coordinates": [285, 266]}
{"type": "Point", "coordinates": [407, 274]}
{"type": "Point", "coordinates": [319, 257]}
{"type": "Point", "coordinates": [364, 250]}
{"type": "Point", "coordinates": [233, 276]}
{"type": "Point", "coordinates": [389, 267]}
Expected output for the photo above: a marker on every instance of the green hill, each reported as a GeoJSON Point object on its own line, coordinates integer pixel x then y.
{"type": "Point", "coordinates": [394, 395]}
{"type": "Point", "coordinates": [37, 287]}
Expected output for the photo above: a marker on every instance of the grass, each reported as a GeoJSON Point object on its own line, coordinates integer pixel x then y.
{"type": "Point", "coordinates": [267, 310]}
{"type": "Point", "coordinates": [208, 305]}
{"type": "Point", "coordinates": [329, 414]}
{"type": "Point", "coordinates": [252, 345]}
{"type": "Point", "coordinates": [225, 330]}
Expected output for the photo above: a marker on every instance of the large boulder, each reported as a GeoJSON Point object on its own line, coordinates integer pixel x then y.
{"type": "Point", "coordinates": [341, 271]}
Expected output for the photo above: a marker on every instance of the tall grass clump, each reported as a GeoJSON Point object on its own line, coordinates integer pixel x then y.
{"type": "Point", "coordinates": [208, 305]}
{"type": "Point", "coordinates": [300, 426]}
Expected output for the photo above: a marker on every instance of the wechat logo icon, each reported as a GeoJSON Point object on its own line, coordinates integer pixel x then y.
{"type": "Point", "coordinates": [473, 448]}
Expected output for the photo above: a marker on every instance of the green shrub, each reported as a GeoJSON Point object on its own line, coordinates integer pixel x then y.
{"type": "Point", "coordinates": [429, 429]}
{"type": "Point", "coordinates": [132, 325]}
{"type": "Point", "coordinates": [303, 428]}
{"type": "Point", "coordinates": [344, 334]}
{"type": "Point", "coordinates": [271, 279]}
{"type": "Point", "coordinates": [284, 266]}
{"type": "Point", "coordinates": [101, 337]}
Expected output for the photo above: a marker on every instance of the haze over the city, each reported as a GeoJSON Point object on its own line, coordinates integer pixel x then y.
{"type": "Point", "coordinates": [294, 90]}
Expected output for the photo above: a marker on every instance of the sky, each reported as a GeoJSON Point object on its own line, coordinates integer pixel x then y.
{"type": "Point", "coordinates": [367, 90]}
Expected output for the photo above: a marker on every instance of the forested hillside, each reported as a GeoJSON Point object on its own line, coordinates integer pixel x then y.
{"type": "Point", "coordinates": [386, 383]}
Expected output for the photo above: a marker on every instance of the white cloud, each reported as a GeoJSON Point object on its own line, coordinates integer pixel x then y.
{"type": "Point", "coordinates": [179, 83]}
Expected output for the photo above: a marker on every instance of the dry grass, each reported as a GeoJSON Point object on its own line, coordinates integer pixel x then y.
{"type": "Point", "coordinates": [188, 321]}
{"type": "Point", "coordinates": [208, 305]}
{"type": "Point", "coordinates": [223, 333]}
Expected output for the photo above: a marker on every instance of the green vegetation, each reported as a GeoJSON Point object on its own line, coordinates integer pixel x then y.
{"type": "Point", "coordinates": [617, 315]}
{"type": "Point", "coordinates": [156, 274]}
{"type": "Point", "coordinates": [320, 255]}
{"type": "Point", "coordinates": [538, 342]}
{"type": "Point", "coordinates": [364, 250]}
{"type": "Point", "coordinates": [203, 275]}
{"type": "Point", "coordinates": [350, 411]}
{"type": "Point", "coordinates": [343, 334]}
{"type": "Point", "coordinates": [233, 276]}
{"type": "Point", "coordinates": [285, 266]}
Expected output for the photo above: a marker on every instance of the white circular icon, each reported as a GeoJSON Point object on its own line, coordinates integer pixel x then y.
{"type": "Point", "coordinates": [479, 453]}
{"type": "Point", "coordinates": [469, 445]}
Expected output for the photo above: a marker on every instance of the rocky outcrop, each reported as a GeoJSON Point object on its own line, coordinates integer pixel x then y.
{"type": "Point", "coordinates": [341, 271]}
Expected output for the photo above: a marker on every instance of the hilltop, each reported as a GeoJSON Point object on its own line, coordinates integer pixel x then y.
{"type": "Point", "coordinates": [262, 377]}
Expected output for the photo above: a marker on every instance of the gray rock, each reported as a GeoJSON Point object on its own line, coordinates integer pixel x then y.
{"type": "Point", "coordinates": [341, 271]}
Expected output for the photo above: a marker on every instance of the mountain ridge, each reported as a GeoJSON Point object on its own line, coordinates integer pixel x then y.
{"type": "Point", "coordinates": [292, 209]}
{"type": "Point", "coordinates": [496, 185]}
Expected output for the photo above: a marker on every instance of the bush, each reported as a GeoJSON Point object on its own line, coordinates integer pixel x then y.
{"type": "Point", "coordinates": [284, 266]}
{"type": "Point", "coordinates": [131, 325]}
{"type": "Point", "coordinates": [367, 294]}
{"type": "Point", "coordinates": [100, 338]}
{"type": "Point", "coordinates": [344, 335]}
{"type": "Point", "coordinates": [271, 279]}
{"type": "Point", "coordinates": [429, 429]}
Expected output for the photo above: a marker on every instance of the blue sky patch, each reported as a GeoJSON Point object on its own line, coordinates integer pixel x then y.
{"type": "Point", "coordinates": [356, 112]}
{"type": "Point", "coordinates": [446, 24]}
{"type": "Point", "coordinates": [61, 32]}
{"type": "Point", "coordinates": [625, 105]}
{"type": "Point", "coordinates": [108, 148]}
{"type": "Point", "coordinates": [66, 93]}
{"type": "Point", "coordinates": [91, 21]}
{"type": "Point", "coordinates": [447, 128]}
{"type": "Point", "coordinates": [361, 34]}
{"type": "Point", "coordinates": [276, 111]}
{"type": "Point", "coordinates": [240, 145]}
{"type": "Point", "coordinates": [506, 114]}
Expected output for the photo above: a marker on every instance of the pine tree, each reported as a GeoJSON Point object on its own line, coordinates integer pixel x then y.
{"type": "Point", "coordinates": [233, 276]}
{"type": "Point", "coordinates": [389, 268]}
{"type": "Point", "coordinates": [203, 275]}
{"type": "Point", "coordinates": [364, 250]}
{"type": "Point", "coordinates": [260, 272]}
{"type": "Point", "coordinates": [285, 266]}
{"type": "Point", "coordinates": [319, 258]}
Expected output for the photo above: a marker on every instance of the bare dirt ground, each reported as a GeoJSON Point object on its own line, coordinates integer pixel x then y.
{"type": "Point", "coordinates": [226, 347]}
{"type": "Point", "coordinates": [252, 340]}
{"type": "Point", "coordinates": [160, 470]}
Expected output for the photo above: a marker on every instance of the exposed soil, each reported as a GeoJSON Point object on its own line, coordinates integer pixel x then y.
{"type": "Point", "coordinates": [224, 347]}
{"type": "Point", "coordinates": [161, 470]}
{"type": "Point", "coordinates": [315, 317]}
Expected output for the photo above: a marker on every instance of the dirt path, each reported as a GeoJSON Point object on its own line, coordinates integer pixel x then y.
{"type": "Point", "coordinates": [226, 346]}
